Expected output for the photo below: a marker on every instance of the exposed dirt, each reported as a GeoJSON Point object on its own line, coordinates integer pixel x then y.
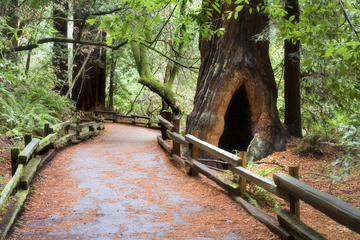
{"type": "Point", "coordinates": [317, 171]}
{"type": "Point", "coordinates": [122, 186]}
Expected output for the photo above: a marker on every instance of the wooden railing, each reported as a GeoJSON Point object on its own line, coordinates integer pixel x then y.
{"type": "Point", "coordinates": [143, 121]}
{"type": "Point", "coordinates": [288, 224]}
{"type": "Point", "coordinates": [35, 154]}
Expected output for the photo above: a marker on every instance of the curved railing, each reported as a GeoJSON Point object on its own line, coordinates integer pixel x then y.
{"type": "Point", "coordinates": [37, 152]}
{"type": "Point", "coordinates": [288, 224]}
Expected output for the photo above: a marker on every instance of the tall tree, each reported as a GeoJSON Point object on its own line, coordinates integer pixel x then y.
{"type": "Point", "coordinates": [60, 51]}
{"type": "Point", "coordinates": [235, 100]}
{"type": "Point", "coordinates": [292, 74]}
{"type": "Point", "coordinates": [112, 86]}
{"type": "Point", "coordinates": [10, 10]}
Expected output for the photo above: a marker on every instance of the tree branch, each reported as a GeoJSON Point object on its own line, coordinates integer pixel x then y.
{"type": "Point", "coordinates": [163, 26]}
{"type": "Point", "coordinates": [191, 68]}
{"type": "Point", "coordinates": [67, 40]}
{"type": "Point", "coordinates": [348, 19]}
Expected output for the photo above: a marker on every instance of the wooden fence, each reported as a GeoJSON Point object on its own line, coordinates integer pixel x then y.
{"type": "Point", "coordinates": [288, 224]}
{"type": "Point", "coordinates": [142, 121]}
{"type": "Point", "coordinates": [36, 153]}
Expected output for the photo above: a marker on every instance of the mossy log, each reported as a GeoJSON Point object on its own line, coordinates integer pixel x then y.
{"type": "Point", "coordinates": [11, 185]}
{"type": "Point", "coordinates": [29, 172]}
{"type": "Point", "coordinates": [140, 54]}
{"type": "Point", "coordinates": [13, 211]}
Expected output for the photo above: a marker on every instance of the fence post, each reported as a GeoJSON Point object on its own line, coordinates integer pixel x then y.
{"type": "Point", "coordinates": [14, 160]}
{"type": "Point", "coordinates": [47, 129]}
{"type": "Point", "coordinates": [167, 116]}
{"type": "Point", "coordinates": [244, 165]}
{"type": "Point", "coordinates": [294, 202]}
{"type": "Point", "coordinates": [114, 117]}
{"type": "Point", "coordinates": [27, 139]}
{"type": "Point", "coordinates": [194, 154]}
{"type": "Point", "coordinates": [176, 146]}
{"type": "Point", "coordinates": [77, 130]}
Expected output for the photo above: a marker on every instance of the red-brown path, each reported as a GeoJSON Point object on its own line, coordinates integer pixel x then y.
{"type": "Point", "coordinates": [121, 185]}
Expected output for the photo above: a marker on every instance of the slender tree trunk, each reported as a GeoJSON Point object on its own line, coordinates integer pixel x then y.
{"type": "Point", "coordinates": [172, 68]}
{"type": "Point", "coordinates": [235, 99]}
{"type": "Point", "coordinates": [28, 60]}
{"type": "Point", "coordinates": [9, 9]}
{"type": "Point", "coordinates": [111, 84]}
{"type": "Point", "coordinates": [89, 90]}
{"type": "Point", "coordinates": [70, 46]}
{"type": "Point", "coordinates": [292, 76]}
{"type": "Point", "coordinates": [60, 51]}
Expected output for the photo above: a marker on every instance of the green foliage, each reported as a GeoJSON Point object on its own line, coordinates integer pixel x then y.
{"type": "Point", "coordinates": [27, 102]}
{"type": "Point", "coordinates": [330, 84]}
{"type": "Point", "coordinates": [345, 164]}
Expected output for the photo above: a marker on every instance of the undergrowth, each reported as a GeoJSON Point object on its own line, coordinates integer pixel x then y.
{"type": "Point", "coordinates": [28, 103]}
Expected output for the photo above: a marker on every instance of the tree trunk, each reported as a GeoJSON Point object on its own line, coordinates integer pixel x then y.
{"type": "Point", "coordinates": [292, 76]}
{"type": "Point", "coordinates": [235, 99]}
{"type": "Point", "coordinates": [89, 89]}
{"type": "Point", "coordinates": [60, 51]}
{"type": "Point", "coordinates": [147, 79]}
{"type": "Point", "coordinates": [9, 9]}
{"type": "Point", "coordinates": [111, 84]}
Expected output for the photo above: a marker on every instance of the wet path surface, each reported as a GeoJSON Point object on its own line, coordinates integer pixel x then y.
{"type": "Point", "coordinates": [121, 185]}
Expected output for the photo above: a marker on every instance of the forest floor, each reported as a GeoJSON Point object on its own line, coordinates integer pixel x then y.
{"type": "Point", "coordinates": [188, 208]}
{"type": "Point", "coordinates": [317, 171]}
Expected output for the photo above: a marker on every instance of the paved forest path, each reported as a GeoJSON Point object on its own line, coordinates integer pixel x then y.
{"type": "Point", "coordinates": [121, 185]}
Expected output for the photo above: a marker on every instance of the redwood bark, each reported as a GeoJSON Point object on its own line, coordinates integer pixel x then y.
{"type": "Point", "coordinates": [292, 76]}
{"type": "Point", "coordinates": [228, 63]}
{"type": "Point", "coordinates": [89, 90]}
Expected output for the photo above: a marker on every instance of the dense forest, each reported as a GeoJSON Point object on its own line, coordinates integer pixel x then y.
{"type": "Point", "coordinates": [141, 57]}
{"type": "Point", "coordinates": [247, 75]}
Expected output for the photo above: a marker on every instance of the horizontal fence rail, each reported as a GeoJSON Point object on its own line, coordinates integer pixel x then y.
{"type": "Point", "coordinates": [143, 121]}
{"type": "Point", "coordinates": [288, 224]}
{"type": "Point", "coordinates": [24, 164]}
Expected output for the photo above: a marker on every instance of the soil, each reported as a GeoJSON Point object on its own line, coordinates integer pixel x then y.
{"type": "Point", "coordinates": [316, 170]}
{"type": "Point", "coordinates": [121, 185]}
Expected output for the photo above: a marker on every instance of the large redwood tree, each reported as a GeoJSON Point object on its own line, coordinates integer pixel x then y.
{"type": "Point", "coordinates": [235, 100]}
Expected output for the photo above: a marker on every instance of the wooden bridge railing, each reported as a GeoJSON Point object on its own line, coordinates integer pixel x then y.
{"type": "Point", "coordinates": [35, 154]}
{"type": "Point", "coordinates": [288, 224]}
{"type": "Point", "coordinates": [143, 121]}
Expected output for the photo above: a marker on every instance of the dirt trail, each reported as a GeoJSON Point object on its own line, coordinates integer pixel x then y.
{"type": "Point", "coordinates": [121, 185]}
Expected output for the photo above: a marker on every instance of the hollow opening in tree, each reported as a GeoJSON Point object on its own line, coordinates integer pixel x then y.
{"type": "Point", "coordinates": [237, 130]}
